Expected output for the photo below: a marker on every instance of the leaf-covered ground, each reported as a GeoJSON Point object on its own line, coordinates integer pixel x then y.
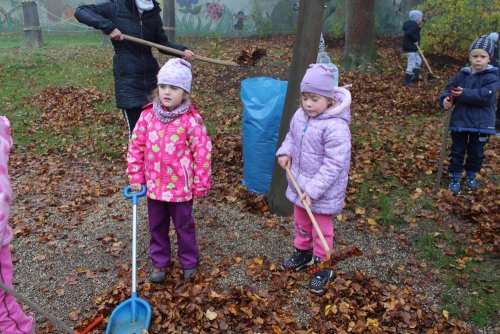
{"type": "Point", "coordinates": [397, 132]}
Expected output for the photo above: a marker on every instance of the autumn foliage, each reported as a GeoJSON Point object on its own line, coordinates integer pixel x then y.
{"type": "Point", "coordinates": [396, 138]}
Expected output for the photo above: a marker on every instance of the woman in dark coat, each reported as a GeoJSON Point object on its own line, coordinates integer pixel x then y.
{"type": "Point", "coordinates": [134, 67]}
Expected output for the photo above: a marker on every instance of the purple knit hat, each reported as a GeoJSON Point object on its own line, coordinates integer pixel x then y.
{"type": "Point", "coordinates": [484, 43]}
{"type": "Point", "coordinates": [318, 80]}
{"type": "Point", "coordinates": [176, 72]}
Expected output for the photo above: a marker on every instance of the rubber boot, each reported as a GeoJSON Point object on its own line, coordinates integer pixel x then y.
{"type": "Point", "coordinates": [416, 77]}
{"type": "Point", "coordinates": [407, 81]}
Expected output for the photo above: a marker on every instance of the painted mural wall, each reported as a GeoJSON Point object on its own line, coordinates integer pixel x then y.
{"type": "Point", "coordinates": [220, 17]}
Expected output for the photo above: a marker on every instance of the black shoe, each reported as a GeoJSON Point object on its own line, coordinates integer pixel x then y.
{"type": "Point", "coordinates": [319, 280]}
{"type": "Point", "coordinates": [407, 81]}
{"type": "Point", "coordinates": [298, 260]}
{"type": "Point", "coordinates": [416, 77]}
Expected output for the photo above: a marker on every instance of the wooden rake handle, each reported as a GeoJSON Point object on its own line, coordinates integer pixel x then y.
{"type": "Point", "coordinates": [444, 144]}
{"type": "Point", "coordinates": [425, 60]}
{"type": "Point", "coordinates": [46, 314]}
{"type": "Point", "coordinates": [311, 216]}
{"type": "Point", "coordinates": [178, 52]}
{"type": "Point", "coordinates": [37, 308]}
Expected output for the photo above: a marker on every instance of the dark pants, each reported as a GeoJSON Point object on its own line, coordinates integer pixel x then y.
{"type": "Point", "coordinates": [159, 224]}
{"type": "Point", "coordinates": [131, 116]}
{"type": "Point", "coordinates": [468, 143]}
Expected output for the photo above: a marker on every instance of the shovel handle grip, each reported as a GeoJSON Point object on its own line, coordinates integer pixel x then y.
{"type": "Point", "coordinates": [127, 192]}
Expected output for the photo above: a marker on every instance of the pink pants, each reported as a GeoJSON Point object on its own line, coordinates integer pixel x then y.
{"type": "Point", "coordinates": [12, 318]}
{"type": "Point", "coordinates": [305, 233]}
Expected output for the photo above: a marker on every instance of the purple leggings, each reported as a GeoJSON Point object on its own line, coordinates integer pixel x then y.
{"type": "Point", "coordinates": [159, 224]}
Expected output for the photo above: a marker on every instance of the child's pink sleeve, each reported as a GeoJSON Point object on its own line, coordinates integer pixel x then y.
{"type": "Point", "coordinates": [5, 187]}
{"type": "Point", "coordinates": [201, 146]}
{"type": "Point", "coordinates": [136, 148]}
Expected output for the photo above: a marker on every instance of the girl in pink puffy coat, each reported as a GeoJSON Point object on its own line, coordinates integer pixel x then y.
{"type": "Point", "coordinates": [170, 153]}
{"type": "Point", "coordinates": [317, 149]}
{"type": "Point", "coordinates": [12, 318]}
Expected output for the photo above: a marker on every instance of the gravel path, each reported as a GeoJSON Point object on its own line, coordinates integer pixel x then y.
{"type": "Point", "coordinates": [63, 275]}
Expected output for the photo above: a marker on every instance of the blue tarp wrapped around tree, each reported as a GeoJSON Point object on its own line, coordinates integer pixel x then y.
{"type": "Point", "coordinates": [263, 99]}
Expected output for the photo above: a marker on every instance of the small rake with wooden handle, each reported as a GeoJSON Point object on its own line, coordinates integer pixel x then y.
{"type": "Point", "coordinates": [46, 314]}
{"type": "Point", "coordinates": [178, 52]}
{"type": "Point", "coordinates": [444, 143]}
{"type": "Point", "coordinates": [311, 216]}
{"type": "Point", "coordinates": [431, 75]}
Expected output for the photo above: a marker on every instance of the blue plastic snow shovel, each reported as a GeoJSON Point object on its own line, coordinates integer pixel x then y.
{"type": "Point", "coordinates": [134, 314]}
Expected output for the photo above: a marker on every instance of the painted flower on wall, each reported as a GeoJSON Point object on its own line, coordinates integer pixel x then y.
{"type": "Point", "coordinates": [187, 3]}
{"type": "Point", "coordinates": [187, 6]}
{"type": "Point", "coordinates": [215, 10]}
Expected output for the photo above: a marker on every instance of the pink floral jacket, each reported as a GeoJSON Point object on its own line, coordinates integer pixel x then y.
{"type": "Point", "coordinates": [172, 159]}
{"type": "Point", "coordinates": [5, 187]}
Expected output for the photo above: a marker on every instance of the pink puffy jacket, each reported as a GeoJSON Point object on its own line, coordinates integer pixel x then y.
{"type": "Point", "coordinates": [5, 187]}
{"type": "Point", "coordinates": [173, 160]}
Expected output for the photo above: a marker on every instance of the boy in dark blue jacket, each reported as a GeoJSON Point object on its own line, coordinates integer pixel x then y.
{"type": "Point", "coordinates": [473, 90]}
{"type": "Point", "coordinates": [411, 36]}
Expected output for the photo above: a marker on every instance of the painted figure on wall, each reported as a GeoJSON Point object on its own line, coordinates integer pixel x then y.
{"type": "Point", "coordinates": [240, 18]}
{"type": "Point", "coordinates": [226, 17]}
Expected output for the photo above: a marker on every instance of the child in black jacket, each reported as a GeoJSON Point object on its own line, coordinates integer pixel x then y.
{"type": "Point", "coordinates": [473, 90]}
{"type": "Point", "coordinates": [411, 36]}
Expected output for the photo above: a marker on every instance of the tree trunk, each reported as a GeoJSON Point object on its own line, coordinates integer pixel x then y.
{"type": "Point", "coordinates": [32, 31]}
{"type": "Point", "coordinates": [305, 50]}
{"type": "Point", "coordinates": [359, 34]}
{"type": "Point", "coordinates": [169, 19]}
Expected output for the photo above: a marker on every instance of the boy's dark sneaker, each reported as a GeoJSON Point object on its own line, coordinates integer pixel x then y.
{"type": "Point", "coordinates": [454, 186]}
{"type": "Point", "coordinates": [471, 183]}
{"type": "Point", "coordinates": [407, 81]}
{"type": "Point", "coordinates": [298, 260]}
{"type": "Point", "coordinates": [416, 75]}
{"type": "Point", "coordinates": [319, 280]}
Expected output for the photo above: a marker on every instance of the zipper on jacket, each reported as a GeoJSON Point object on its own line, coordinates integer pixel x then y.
{"type": "Point", "coordinates": [304, 129]}
{"type": "Point", "coordinates": [186, 179]}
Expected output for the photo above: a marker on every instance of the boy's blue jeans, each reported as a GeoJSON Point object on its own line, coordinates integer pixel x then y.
{"type": "Point", "coordinates": [414, 61]}
{"type": "Point", "coordinates": [470, 144]}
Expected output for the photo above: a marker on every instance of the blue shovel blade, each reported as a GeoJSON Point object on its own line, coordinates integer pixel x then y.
{"type": "Point", "coordinates": [130, 317]}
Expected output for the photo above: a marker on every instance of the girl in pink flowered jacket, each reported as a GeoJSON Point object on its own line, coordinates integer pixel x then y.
{"type": "Point", "coordinates": [12, 318]}
{"type": "Point", "coordinates": [170, 153]}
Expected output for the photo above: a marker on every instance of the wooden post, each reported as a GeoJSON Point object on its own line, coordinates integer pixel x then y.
{"type": "Point", "coordinates": [305, 50]}
{"type": "Point", "coordinates": [32, 31]}
{"type": "Point", "coordinates": [169, 19]}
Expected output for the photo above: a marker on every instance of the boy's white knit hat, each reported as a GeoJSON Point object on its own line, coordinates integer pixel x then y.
{"type": "Point", "coordinates": [415, 15]}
